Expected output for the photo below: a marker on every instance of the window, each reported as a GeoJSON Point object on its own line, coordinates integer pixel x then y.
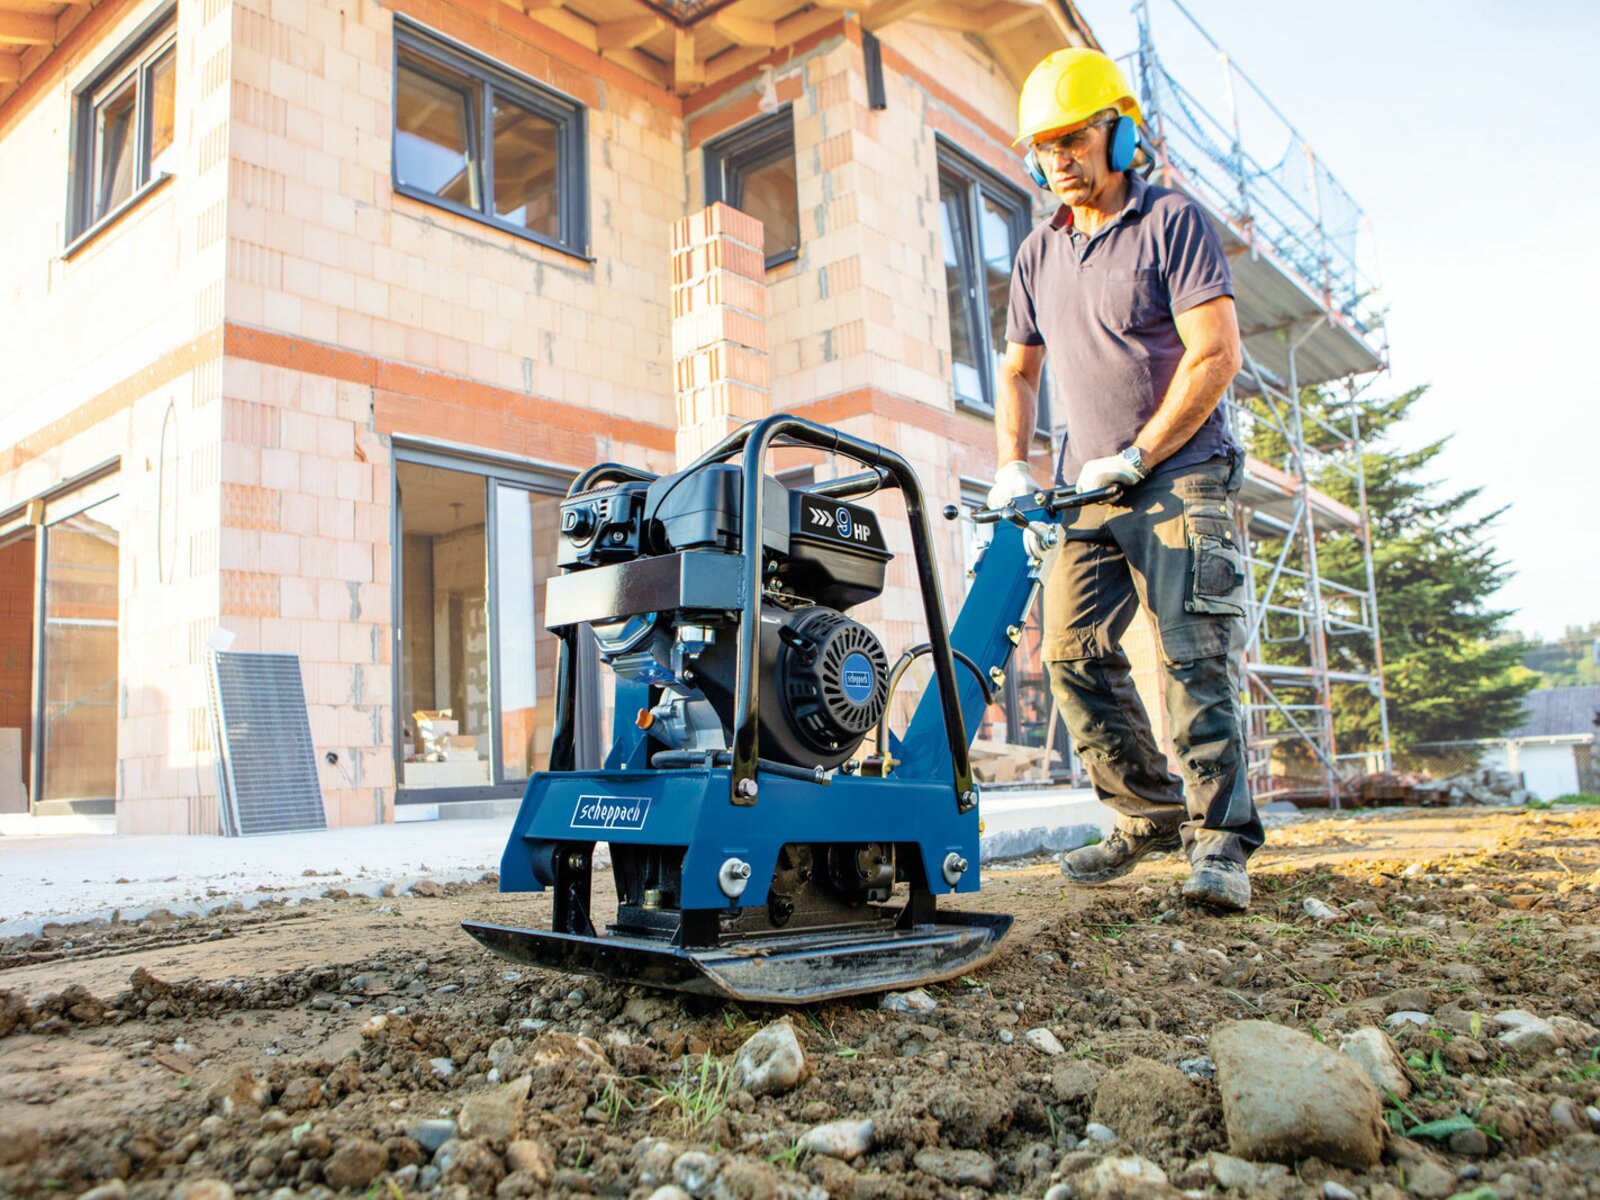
{"type": "Point", "coordinates": [752, 169]}
{"type": "Point", "coordinates": [982, 221]}
{"type": "Point", "coordinates": [125, 121]}
{"type": "Point", "coordinates": [78, 652]}
{"type": "Point", "coordinates": [475, 545]}
{"type": "Point", "coordinates": [470, 137]}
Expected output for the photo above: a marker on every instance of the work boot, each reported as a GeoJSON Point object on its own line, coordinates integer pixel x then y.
{"type": "Point", "coordinates": [1115, 856]}
{"type": "Point", "coordinates": [1219, 883]}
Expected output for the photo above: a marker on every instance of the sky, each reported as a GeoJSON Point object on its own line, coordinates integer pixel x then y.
{"type": "Point", "coordinates": [1467, 131]}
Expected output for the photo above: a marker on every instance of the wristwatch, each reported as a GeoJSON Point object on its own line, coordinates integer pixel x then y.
{"type": "Point", "coordinates": [1134, 459]}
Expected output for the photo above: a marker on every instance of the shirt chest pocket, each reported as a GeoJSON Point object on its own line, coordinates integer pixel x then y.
{"type": "Point", "coordinates": [1131, 297]}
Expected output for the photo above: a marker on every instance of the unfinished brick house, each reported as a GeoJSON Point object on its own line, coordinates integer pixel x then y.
{"type": "Point", "coordinates": [314, 307]}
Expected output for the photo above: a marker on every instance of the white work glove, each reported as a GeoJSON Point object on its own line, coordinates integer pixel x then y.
{"type": "Point", "coordinates": [1011, 481]}
{"type": "Point", "coordinates": [1104, 472]}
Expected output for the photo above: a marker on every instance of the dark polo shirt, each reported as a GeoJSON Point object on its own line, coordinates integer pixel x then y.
{"type": "Point", "coordinates": [1103, 305]}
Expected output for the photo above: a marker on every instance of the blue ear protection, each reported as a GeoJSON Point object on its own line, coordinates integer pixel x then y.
{"type": "Point", "coordinates": [1124, 145]}
{"type": "Point", "coordinates": [1030, 163]}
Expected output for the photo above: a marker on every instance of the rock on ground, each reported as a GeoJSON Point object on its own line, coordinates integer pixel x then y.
{"type": "Point", "coordinates": [1430, 1180]}
{"type": "Point", "coordinates": [914, 1001]}
{"type": "Point", "coordinates": [1075, 1081]}
{"type": "Point", "coordinates": [430, 1135]}
{"type": "Point", "coordinates": [1526, 1033]}
{"type": "Point", "coordinates": [1237, 1175]}
{"type": "Point", "coordinates": [1285, 1097]}
{"type": "Point", "coordinates": [769, 1063]}
{"type": "Point", "coordinates": [1124, 1177]}
{"type": "Point", "coordinates": [355, 1163]}
{"type": "Point", "coordinates": [1042, 1039]}
{"type": "Point", "coordinates": [846, 1140]}
{"type": "Point", "coordinates": [1146, 1101]}
{"type": "Point", "coordinates": [959, 1168]}
{"type": "Point", "coordinates": [495, 1116]}
{"type": "Point", "coordinates": [241, 1094]}
{"type": "Point", "coordinates": [531, 1158]}
{"type": "Point", "coordinates": [695, 1171]}
{"type": "Point", "coordinates": [1373, 1051]}
{"type": "Point", "coordinates": [204, 1189]}
{"type": "Point", "coordinates": [1319, 910]}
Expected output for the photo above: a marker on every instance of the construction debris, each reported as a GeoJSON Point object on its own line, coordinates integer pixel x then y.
{"type": "Point", "coordinates": [1486, 785]}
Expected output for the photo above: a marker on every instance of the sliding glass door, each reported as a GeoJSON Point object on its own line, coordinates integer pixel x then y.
{"type": "Point", "coordinates": [475, 545]}
{"type": "Point", "coordinates": [525, 653]}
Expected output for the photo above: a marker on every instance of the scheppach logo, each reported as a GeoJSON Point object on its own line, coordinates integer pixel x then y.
{"type": "Point", "coordinates": [610, 812]}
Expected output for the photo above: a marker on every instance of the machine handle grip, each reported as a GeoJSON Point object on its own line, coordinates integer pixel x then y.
{"type": "Point", "coordinates": [1054, 501]}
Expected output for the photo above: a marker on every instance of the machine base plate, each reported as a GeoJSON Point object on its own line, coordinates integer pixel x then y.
{"type": "Point", "coordinates": [795, 968]}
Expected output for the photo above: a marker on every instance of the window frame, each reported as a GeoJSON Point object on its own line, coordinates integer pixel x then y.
{"type": "Point", "coordinates": [130, 62]}
{"type": "Point", "coordinates": [977, 180]}
{"type": "Point", "coordinates": [494, 471]}
{"type": "Point", "coordinates": [568, 115]}
{"type": "Point", "coordinates": [728, 156]}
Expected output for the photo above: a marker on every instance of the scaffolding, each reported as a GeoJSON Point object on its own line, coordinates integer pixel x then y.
{"type": "Point", "coordinates": [1308, 318]}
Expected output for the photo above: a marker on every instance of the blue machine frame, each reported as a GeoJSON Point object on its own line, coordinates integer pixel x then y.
{"type": "Point", "coordinates": [734, 807]}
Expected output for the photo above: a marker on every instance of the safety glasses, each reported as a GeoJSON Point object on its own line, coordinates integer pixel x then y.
{"type": "Point", "coordinates": [1070, 144]}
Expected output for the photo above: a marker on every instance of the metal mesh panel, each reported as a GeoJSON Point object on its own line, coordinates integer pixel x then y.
{"type": "Point", "coordinates": [267, 762]}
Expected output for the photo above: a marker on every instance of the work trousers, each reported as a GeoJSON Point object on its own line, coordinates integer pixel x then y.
{"type": "Point", "coordinates": [1171, 545]}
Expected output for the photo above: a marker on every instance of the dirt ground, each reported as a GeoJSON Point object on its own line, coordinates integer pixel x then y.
{"type": "Point", "coordinates": [301, 1051]}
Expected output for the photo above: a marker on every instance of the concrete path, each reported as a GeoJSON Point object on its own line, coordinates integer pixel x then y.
{"type": "Point", "coordinates": [79, 878]}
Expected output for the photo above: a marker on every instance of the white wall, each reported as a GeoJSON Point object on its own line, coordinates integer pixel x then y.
{"type": "Point", "coordinates": [1547, 770]}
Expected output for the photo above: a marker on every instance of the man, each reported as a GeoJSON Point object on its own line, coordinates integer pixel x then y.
{"type": "Point", "coordinates": [1127, 287]}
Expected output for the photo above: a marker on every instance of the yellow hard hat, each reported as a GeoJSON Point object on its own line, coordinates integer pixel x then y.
{"type": "Point", "coordinates": [1068, 87]}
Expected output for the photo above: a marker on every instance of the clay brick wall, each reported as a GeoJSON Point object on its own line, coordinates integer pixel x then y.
{"type": "Point", "coordinates": [253, 335]}
{"type": "Point", "coordinates": [857, 326]}
{"type": "Point", "coordinates": [115, 353]}
{"type": "Point", "coordinates": [16, 639]}
{"type": "Point", "coordinates": [359, 313]}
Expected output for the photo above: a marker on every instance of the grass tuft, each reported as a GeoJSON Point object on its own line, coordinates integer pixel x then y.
{"type": "Point", "coordinates": [694, 1100]}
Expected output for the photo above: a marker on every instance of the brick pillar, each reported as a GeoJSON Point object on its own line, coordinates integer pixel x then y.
{"type": "Point", "coordinates": [719, 327]}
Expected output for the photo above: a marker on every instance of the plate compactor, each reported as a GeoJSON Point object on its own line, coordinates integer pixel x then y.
{"type": "Point", "coordinates": [754, 846]}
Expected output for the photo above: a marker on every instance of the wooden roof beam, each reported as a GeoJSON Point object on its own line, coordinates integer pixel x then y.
{"type": "Point", "coordinates": [10, 68]}
{"type": "Point", "coordinates": [886, 12]}
{"type": "Point", "coordinates": [565, 22]}
{"type": "Point", "coordinates": [531, 7]}
{"type": "Point", "coordinates": [629, 32]}
{"type": "Point", "coordinates": [989, 20]}
{"type": "Point", "coordinates": [688, 72]}
{"type": "Point", "coordinates": [746, 31]}
{"type": "Point", "coordinates": [28, 29]}
{"type": "Point", "coordinates": [642, 65]}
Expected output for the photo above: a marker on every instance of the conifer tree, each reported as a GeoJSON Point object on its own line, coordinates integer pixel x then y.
{"type": "Point", "coordinates": [1450, 670]}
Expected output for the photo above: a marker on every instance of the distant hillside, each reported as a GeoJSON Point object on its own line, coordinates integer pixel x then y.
{"type": "Point", "coordinates": [1568, 661]}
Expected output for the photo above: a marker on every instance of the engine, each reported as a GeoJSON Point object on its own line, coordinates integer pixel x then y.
{"type": "Point", "coordinates": [656, 569]}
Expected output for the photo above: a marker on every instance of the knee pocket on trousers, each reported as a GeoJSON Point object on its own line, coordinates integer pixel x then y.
{"type": "Point", "coordinates": [1071, 645]}
{"type": "Point", "coordinates": [1184, 642]}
